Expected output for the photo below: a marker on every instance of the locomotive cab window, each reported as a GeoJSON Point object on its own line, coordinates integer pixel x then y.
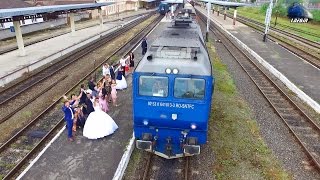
{"type": "Point", "coordinates": [153, 86]}
{"type": "Point", "coordinates": [189, 88]}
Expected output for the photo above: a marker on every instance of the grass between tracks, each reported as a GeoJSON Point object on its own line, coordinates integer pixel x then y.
{"type": "Point", "coordinates": [256, 14]}
{"type": "Point", "coordinates": [234, 135]}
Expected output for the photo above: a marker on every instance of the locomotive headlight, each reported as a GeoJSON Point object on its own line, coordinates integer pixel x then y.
{"type": "Point", "coordinates": [193, 126]}
{"type": "Point", "coordinates": [168, 71]}
{"type": "Point", "coordinates": [145, 122]}
{"type": "Point", "coordinates": [175, 71]}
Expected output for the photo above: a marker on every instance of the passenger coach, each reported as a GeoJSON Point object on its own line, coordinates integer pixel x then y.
{"type": "Point", "coordinates": [172, 91]}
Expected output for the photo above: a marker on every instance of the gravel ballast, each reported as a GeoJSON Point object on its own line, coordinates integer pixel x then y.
{"type": "Point", "coordinates": [272, 129]}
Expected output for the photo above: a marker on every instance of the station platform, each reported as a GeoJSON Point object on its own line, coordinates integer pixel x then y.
{"type": "Point", "coordinates": [85, 158]}
{"type": "Point", "coordinates": [302, 74]}
{"type": "Point", "coordinates": [13, 66]}
{"type": "Point", "coordinates": [91, 159]}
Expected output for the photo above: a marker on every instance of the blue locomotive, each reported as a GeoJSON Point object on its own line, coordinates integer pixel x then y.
{"type": "Point", "coordinates": [163, 8]}
{"type": "Point", "coordinates": [296, 10]}
{"type": "Point", "coordinates": [172, 91]}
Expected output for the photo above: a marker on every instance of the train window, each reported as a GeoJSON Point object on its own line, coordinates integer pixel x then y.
{"type": "Point", "coordinates": [189, 88]}
{"type": "Point", "coordinates": [153, 86]}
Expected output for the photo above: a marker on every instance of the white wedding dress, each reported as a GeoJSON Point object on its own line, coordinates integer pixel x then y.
{"type": "Point", "coordinates": [99, 124]}
{"type": "Point", "coordinates": [121, 84]}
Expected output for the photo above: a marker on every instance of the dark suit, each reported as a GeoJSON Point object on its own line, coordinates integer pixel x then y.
{"type": "Point", "coordinates": [83, 98]}
{"type": "Point", "coordinates": [144, 46]}
{"type": "Point", "coordinates": [68, 114]}
{"type": "Point", "coordinates": [112, 74]}
{"type": "Point", "coordinates": [89, 105]}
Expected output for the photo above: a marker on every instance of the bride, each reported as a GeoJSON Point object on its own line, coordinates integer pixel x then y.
{"type": "Point", "coordinates": [98, 123]}
{"type": "Point", "coordinates": [120, 80]}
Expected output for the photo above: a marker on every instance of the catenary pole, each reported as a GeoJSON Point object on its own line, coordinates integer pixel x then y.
{"type": "Point", "coordinates": [208, 20]}
{"type": "Point", "coordinates": [267, 20]}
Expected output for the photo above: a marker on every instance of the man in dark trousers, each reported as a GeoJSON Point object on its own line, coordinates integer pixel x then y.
{"type": "Point", "coordinates": [89, 104]}
{"type": "Point", "coordinates": [68, 117]}
{"type": "Point", "coordinates": [112, 74]}
{"type": "Point", "coordinates": [144, 46]}
{"type": "Point", "coordinates": [92, 86]}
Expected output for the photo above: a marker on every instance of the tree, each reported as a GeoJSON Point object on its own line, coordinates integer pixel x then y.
{"type": "Point", "coordinates": [279, 10]}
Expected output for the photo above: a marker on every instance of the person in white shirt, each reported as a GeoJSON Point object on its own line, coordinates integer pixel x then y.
{"type": "Point", "coordinates": [105, 70]}
{"type": "Point", "coordinates": [123, 62]}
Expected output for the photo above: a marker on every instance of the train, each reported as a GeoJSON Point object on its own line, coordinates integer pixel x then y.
{"type": "Point", "coordinates": [163, 8]}
{"type": "Point", "coordinates": [297, 10]}
{"type": "Point", "coordinates": [173, 86]}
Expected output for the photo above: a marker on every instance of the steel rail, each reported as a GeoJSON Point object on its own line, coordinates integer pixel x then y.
{"type": "Point", "coordinates": [57, 67]}
{"type": "Point", "coordinates": [307, 56]}
{"type": "Point", "coordinates": [285, 26]}
{"type": "Point", "coordinates": [9, 49]}
{"type": "Point", "coordinates": [148, 166]}
{"type": "Point", "coordinates": [32, 99]}
{"type": "Point", "coordinates": [186, 168]}
{"type": "Point", "coordinates": [289, 34]}
{"type": "Point", "coordinates": [75, 52]}
{"type": "Point", "coordinates": [304, 129]}
{"type": "Point", "coordinates": [14, 170]}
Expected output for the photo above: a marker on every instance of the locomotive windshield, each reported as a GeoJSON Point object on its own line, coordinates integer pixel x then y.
{"type": "Point", "coordinates": [153, 86]}
{"type": "Point", "coordinates": [189, 88]}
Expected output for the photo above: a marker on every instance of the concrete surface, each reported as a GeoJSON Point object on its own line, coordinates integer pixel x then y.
{"type": "Point", "coordinates": [301, 73]}
{"type": "Point", "coordinates": [13, 66]}
{"type": "Point", "coordinates": [91, 159]}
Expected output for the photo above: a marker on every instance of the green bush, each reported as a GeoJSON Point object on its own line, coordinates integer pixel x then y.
{"type": "Point", "coordinates": [280, 10]}
{"type": "Point", "coordinates": [264, 7]}
{"type": "Point", "coordinates": [316, 15]}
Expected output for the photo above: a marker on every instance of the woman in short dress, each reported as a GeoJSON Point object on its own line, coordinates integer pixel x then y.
{"type": "Point", "coordinates": [114, 93]}
{"type": "Point", "coordinates": [103, 100]}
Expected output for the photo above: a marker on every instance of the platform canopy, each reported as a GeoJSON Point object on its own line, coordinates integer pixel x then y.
{"type": "Point", "coordinates": [173, 1]}
{"type": "Point", "coordinates": [9, 15]}
{"type": "Point", "coordinates": [148, 0]}
{"type": "Point", "coordinates": [226, 3]}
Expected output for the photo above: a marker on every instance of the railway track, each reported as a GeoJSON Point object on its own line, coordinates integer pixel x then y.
{"type": "Point", "coordinates": [304, 129]}
{"type": "Point", "coordinates": [18, 150]}
{"type": "Point", "coordinates": [15, 47]}
{"type": "Point", "coordinates": [308, 50]}
{"type": "Point", "coordinates": [160, 168]}
{"type": "Point", "coordinates": [19, 89]}
{"type": "Point", "coordinates": [312, 44]}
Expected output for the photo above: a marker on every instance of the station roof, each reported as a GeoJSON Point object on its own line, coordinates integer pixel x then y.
{"type": "Point", "coordinates": [173, 1]}
{"type": "Point", "coordinates": [226, 3]}
{"type": "Point", "coordinates": [148, 0]}
{"type": "Point", "coordinates": [16, 12]}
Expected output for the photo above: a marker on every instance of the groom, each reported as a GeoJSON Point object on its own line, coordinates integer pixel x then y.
{"type": "Point", "coordinates": [68, 117]}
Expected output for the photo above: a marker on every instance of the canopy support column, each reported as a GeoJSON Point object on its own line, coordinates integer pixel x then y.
{"type": "Point", "coordinates": [137, 5]}
{"type": "Point", "coordinates": [19, 38]}
{"type": "Point", "coordinates": [234, 16]}
{"type": "Point", "coordinates": [225, 13]}
{"type": "Point", "coordinates": [72, 25]}
{"type": "Point", "coordinates": [218, 10]}
{"type": "Point", "coordinates": [100, 17]}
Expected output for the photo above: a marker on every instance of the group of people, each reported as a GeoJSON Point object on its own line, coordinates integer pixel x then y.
{"type": "Point", "coordinates": [89, 109]}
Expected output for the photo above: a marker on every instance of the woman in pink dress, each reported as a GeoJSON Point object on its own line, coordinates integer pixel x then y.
{"type": "Point", "coordinates": [114, 93]}
{"type": "Point", "coordinates": [103, 102]}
